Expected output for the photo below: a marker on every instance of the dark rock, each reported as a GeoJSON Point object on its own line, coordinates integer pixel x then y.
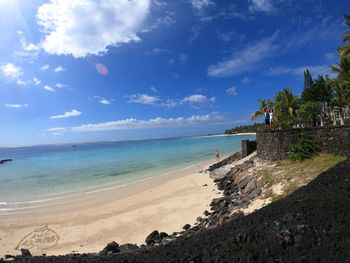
{"type": "Point", "coordinates": [205, 185]}
{"type": "Point", "coordinates": [128, 247]}
{"type": "Point", "coordinates": [111, 248]}
{"type": "Point", "coordinates": [256, 192]}
{"type": "Point", "coordinates": [195, 228]}
{"type": "Point", "coordinates": [163, 235]}
{"type": "Point", "coordinates": [244, 181]}
{"type": "Point", "coordinates": [7, 256]}
{"type": "Point", "coordinates": [152, 238]}
{"type": "Point", "coordinates": [25, 252]}
{"type": "Point", "coordinates": [187, 226]}
{"type": "Point", "coordinates": [251, 186]}
{"type": "Point", "coordinates": [5, 161]}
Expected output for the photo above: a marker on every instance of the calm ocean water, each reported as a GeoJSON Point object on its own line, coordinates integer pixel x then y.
{"type": "Point", "coordinates": [43, 173]}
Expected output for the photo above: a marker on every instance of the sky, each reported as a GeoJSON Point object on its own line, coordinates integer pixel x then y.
{"type": "Point", "coordinates": [100, 70]}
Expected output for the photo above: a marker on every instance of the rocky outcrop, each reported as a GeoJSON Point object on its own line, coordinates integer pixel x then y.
{"type": "Point", "coordinates": [5, 161]}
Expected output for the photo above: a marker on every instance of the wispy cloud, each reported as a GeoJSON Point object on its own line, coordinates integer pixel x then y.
{"type": "Point", "coordinates": [298, 71]}
{"type": "Point", "coordinates": [232, 91]}
{"type": "Point", "coordinates": [117, 23]}
{"type": "Point", "coordinates": [200, 5]}
{"type": "Point", "coordinates": [16, 105]}
{"type": "Point", "coordinates": [36, 81]}
{"type": "Point", "coordinates": [166, 20]}
{"type": "Point", "coordinates": [245, 59]}
{"type": "Point", "coordinates": [45, 67]}
{"type": "Point", "coordinates": [261, 5]}
{"type": "Point", "coordinates": [48, 88]}
{"type": "Point", "coordinates": [144, 99]}
{"type": "Point", "coordinates": [152, 88]}
{"type": "Point", "coordinates": [59, 69]}
{"type": "Point", "coordinates": [29, 51]}
{"type": "Point", "coordinates": [103, 100]}
{"type": "Point", "coordinates": [68, 114]}
{"type": "Point", "coordinates": [132, 123]}
{"type": "Point", "coordinates": [60, 85]}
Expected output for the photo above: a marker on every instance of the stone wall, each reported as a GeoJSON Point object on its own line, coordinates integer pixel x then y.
{"type": "Point", "coordinates": [273, 145]}
{"type": "Point", "coordinates": [248, 147]}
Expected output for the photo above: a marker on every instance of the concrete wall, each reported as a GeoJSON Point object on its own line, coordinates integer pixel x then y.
{"type": "Point", "coordinates": [273, 145]}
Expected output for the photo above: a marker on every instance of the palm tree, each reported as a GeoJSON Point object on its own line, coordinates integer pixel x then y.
{"type": "Point", "coordinates": [263, 104]}
{"type": "Point", "coordinates": [344, 51]}
{"type": "Point", "coordinates": [286, 104]}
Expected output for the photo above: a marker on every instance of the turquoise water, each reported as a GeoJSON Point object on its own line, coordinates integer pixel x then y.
{"type": "Point", "coordinates": [48, 172]}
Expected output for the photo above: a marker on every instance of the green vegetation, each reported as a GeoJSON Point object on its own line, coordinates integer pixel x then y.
{"type": "Point", "coordinates": [305, 148]}
{"type": "Point", "coordinates": [247, 128]}
{"type": "Point", "coordinates": [324, 100]}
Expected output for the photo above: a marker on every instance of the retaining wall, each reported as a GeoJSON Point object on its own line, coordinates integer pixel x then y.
{"type": "Point", "coordinates": [273, 145]}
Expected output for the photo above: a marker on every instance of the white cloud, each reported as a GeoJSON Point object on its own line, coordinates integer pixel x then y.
{"type": "Point", "coordinates": [103, 100]}
{"type": "Point", "coordinates": [36, 81]}
{"type": "Point", "coordinates": [132, 123]}
{"type": "Point", "coordinates": [16, 105]}
{"type": "Point", "coordinates": [144, 99]}
{"type": "Point", "coordinates": [261, 5]}
{"type": "Point", "coordinates": [11, 71]}
{"type": "Point", "coordinates": [23, 82]}
{"type": "Point", "coordinates": [59, 69]}
{"type": "Point", "coordinates": [68, 114]}
{"type": "Point", "coordinates": [299, 71]}
{"type": "Point", "coordinates": [198, 99]}
{"type": "Point", "coordinates": [44, 67]}
{"type": "Point", "coordinates": [200, 4]}
{"type": "Point", "coordinates": [88, 27]}
{"type": "Point", "coordinates": [59, 85]}
{"type": "Point", "coordinates": [48, 88]}
{"type": "Point", "coordinates": [245, 59]}
{"type": "Point", "coordinates": [232, 91]}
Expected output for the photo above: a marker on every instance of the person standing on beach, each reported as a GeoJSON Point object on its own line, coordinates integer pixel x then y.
{"type": "Point", "coordinates": [267, 119]}
{"type": "Point", "coordinates": [271, 118]}
{"type": "Point", "coordinates": [217, 155]}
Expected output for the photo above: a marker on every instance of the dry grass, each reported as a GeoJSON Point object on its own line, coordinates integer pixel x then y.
{"type": "Point", "coordinates": [294, 174]}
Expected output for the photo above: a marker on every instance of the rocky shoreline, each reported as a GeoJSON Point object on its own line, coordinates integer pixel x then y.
{"type": "Point", "coordinates": [293, 225]}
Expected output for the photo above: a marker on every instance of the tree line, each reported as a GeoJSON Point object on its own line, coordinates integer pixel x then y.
{"type": "Point", "coordinates": [324, 100]}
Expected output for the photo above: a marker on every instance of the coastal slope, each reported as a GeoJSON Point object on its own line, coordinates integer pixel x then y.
{"type": "Point", "coordinates": [310, 225]}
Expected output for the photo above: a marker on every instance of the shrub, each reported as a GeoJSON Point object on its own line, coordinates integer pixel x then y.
{"type": "Point", "coordinates": [305, 148]}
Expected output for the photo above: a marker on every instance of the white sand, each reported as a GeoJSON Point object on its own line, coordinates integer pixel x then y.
{"type": "Point", "coordinates": [125, 215]}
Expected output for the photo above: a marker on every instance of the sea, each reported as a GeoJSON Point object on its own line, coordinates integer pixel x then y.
{"type": "Point", "coordinates": [40, 174]}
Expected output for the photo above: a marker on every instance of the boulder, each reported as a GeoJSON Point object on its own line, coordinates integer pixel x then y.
{"type": "Point", "coordinates": [256, 192]}
{"type": "Point", "coordinates": [244, 181]}
{"type": "Point", "coordinates": [25, 252]}
{"type": "Point", "coordinates": [252, 185]}
{"type": "Point", "coordinates": [152, 238]}
{"type": "Point", "coordinates": [128, 247]}
{"type": "Point", "coordinates": [187, 226]}
{"type": "Point", "coordinates": [111, 248]}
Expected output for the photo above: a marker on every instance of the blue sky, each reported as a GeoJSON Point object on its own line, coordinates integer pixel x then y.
{"type": "Point", "coordinates": [94, 70]}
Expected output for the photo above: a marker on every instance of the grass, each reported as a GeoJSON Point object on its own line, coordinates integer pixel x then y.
{"type": "Point", "coordinates": [294, 174]}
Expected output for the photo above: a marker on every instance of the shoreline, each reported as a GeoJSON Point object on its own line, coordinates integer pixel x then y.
{"type": "Point", "coordinates": [178, 196]}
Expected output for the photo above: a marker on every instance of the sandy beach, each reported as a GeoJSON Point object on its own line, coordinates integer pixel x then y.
{"type": "Point", "coordinates": [125, 215]}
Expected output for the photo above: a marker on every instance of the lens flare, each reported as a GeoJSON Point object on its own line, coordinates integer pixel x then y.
{"type": "Point", "coordinates": [102, 69]}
